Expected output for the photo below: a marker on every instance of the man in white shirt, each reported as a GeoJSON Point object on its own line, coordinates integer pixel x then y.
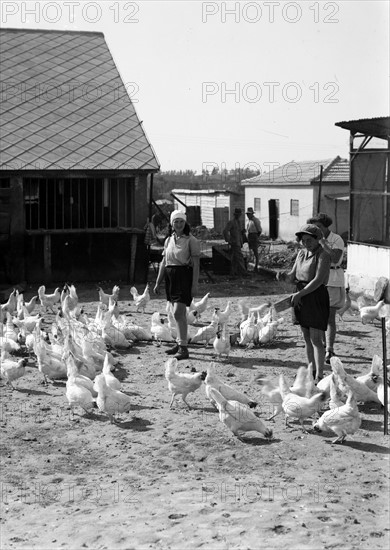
{"type": "Point", "coordinates": [334, 245]}
{"type": "Point", "coordinates": [253, 232]}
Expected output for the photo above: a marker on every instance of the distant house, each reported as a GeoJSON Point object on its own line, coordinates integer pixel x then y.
{"type": "Point", "coordinates": [369, 220]}
{"type": "Point", "coordinates": [209, 207]}
{"type": "Point", "coordinates": [76, 165]}
{"type": "Point", "coordinates": [284, 198]}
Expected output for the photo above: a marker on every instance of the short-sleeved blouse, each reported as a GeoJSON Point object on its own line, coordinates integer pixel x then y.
{"type": "Point", "coordinates": [180, 251]}
{"type": "Point", "coordinates": [306, 265]}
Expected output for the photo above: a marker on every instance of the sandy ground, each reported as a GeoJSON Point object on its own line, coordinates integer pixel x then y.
{"type": "Point", "coordinates": [178, 478]}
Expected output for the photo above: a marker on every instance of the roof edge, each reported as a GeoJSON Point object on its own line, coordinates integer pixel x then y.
{"type": "Point", "coordinates": [64, 31]}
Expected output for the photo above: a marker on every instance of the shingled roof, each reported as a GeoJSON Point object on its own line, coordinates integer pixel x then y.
{"type": "Point", "coordinates": [64, 105]}
{"type": "Point", "coordinates": [306, 172]}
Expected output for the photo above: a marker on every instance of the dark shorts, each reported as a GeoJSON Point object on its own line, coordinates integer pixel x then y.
{"type": "Point", "coordinates": [253, 241]}
{"type": "Point", "coordinates": [178, 284]}
{"type": "Point", "coordinates": [313, 311]}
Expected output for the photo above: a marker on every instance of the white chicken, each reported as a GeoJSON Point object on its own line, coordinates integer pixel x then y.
{"type": "Point", "coordinates": [22, 306]}
{"type": "Point", "coordinates": [297, 407]}
{"type": "Point", "coordinates": [205, 334]}
{"type": "Point", "coordinates": [111, 380]}
{"type": "Point", "coordinates": [105, 298]}
{"type": "Point", "coordinates": [160, 331]}
{"type": "Point", "coordinates": [371, 378]}
{"type": "Point", "coordinates": [75, 376]}
{"type": "Point", "coordinates": [140, 300]}
{"type": "Point", "coordinates": [337, 396]}
{"type": "Point", "coordinates": [248, 331]}
{"type": "Point", "coordinates": [238, 417]}
{"type": "Point", "coordinates": [271, 391]}
{"type": "Point", "coordinates": [221, 343]}
{"type": "Point", "coordinates": [299, 386]}
{"type": "Point", "coordinates": [48, 301]}
{"type": "Point", "coordinates": [228, 392]}
{"type": "Point", "coordinates": [78, 395]}
{"type": "Point", "coordinates": [110, 401]}
{"type": "Point", "coordinates": [201, 305]}
{"type": "Point", "coordinates": [369, 313]}
{"type": "Point", "coordinates": [181, 383]}
{"type": "Point", "coordinates": [342, 420]}
{"type": "Point", "coordinates": [12, 370]}
{"type": "Point", "coordinates": [361, 391]}
{"type": "Point", "coordinates": [223, 316]}
{"type": "Point", "coordinates": [11, 304]}
{"type": "Point", "coordinates": [50, 364]}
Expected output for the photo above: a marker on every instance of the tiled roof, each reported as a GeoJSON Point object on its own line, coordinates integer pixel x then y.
{"type": "Point", "coordinates": [304, 172]}
{"type": "Point", "coordinates": [64, 105]}
{"type": "Point", "coordinates": [377, 127]}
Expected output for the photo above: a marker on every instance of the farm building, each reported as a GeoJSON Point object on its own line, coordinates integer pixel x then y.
{"type": "Point", "coordinates": [284, 198]}
{"type": "Point", "coordinates": [209, 207]}
{"type": "Point", "coordinates": [76, 165]}
{"type": "Point", "coordinates": [369, 219]}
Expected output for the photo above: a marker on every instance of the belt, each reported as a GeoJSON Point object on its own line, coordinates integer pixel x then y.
{"type": "Point", "coordinates": [335, 267]}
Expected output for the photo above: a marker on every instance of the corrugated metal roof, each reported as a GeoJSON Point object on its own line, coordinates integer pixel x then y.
{"type": "Point", "coordinates": [304, 172]}
{"type": "Point", "coordinates": [377, 127]}
{"type": "Point", "coordinates": [64, 105]}
{"type": "Point", "coordinates": [203, 192]}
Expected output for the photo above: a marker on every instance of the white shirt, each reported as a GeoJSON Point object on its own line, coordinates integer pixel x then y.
{"type": "Point", "coordinates": [336, 276]}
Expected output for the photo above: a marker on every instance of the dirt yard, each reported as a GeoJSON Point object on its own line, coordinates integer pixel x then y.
{"type": "Point", "coordinates": [179, 479]}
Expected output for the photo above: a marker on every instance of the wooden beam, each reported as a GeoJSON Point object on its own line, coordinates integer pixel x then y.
{"type": "Point", "coordinates": [133, 253]}
{"type": "Point", "coordinates": [47, 257]}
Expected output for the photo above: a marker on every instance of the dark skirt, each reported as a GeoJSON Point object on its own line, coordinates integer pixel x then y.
{"type": "Point", "coordinates": [178, 284]}
{"type": "Point", "coordinates": [313, 311]}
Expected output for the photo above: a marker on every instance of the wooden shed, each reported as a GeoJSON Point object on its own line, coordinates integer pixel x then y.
{"type": "Point", "coordinates": [76, 166]}
{"type": "Point", "coordinates": [369, 216]}
{"type": "Point", "coordinates": [216, 207]}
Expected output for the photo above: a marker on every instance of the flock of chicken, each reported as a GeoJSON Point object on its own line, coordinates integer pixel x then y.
{"type": "Point", "coordinates": [76, 349]}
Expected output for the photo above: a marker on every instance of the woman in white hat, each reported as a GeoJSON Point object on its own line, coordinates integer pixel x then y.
{"type": "Point", "coordinates": [180, 269]}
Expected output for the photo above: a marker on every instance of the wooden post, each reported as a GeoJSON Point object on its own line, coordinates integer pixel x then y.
{"type": "Point", "coordinates": [47, 257]}
{"type": "Point", "coordinates": [133, 252]}
{"type": "Point", "coordinates": [385, 387]}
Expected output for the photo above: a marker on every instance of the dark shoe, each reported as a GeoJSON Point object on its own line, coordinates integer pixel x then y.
{"type": "Point", "coordinates": [328, 355]}
{"type": "Point", "coordinates": [173, 350]}
{"type": "Point", "coordinates": [182, 353]}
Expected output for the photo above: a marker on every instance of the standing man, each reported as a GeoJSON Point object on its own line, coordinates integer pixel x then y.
{"type": "Point", "coordinates": [333, 244]}
{"type": "Point", "coordinates": [233, 234]}
{"type": "Point", "coordinates": [253, 232]}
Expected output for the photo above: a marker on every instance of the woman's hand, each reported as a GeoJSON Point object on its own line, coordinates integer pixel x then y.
{"type": "Point", "coordinates": [296, 299]}
{"type": "Point", "coordinates": [156, 288]}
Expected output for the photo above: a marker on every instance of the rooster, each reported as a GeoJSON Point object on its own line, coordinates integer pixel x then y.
{"type": "Point", "coordinates": [48, 301]}
{"type": "Point", "coordinates": [342, 420]}
{"type": "Point", "coordinates": [238, 417]}
{"type": "Point", "coordinates": [140, 300]}
{"type": "Point", "coordinates": [182, 383]}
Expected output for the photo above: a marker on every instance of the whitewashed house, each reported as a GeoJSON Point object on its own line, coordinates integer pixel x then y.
{"type": "Point", "coordinates": [284, 198]}
{"type": "Point", "coordinates": [369, 220]}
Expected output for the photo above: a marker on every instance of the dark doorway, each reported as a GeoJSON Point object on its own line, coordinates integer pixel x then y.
{"type": "Point", "coordinates": [273, 211]}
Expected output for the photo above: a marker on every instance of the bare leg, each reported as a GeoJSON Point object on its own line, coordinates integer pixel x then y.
{"type": "Point", "coordinates": [308, 345]}
{"type": "Point", "coordinates": [331, 331]}
{"type": "Point", "coordinates": [180, 314]}
{"type": "Point", "coordinates": [317, 339]}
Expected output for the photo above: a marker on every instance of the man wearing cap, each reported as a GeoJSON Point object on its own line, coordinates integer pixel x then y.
{"type": "Point", "coordinates": [253, 232]}
{"type": "Point", "coordinates": [233, 234]}
{"type": "Point", "coordinates": [333, 244]}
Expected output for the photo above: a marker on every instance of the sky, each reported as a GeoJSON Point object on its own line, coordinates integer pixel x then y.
{"type": "Point", "coordinates": [237, 84]}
